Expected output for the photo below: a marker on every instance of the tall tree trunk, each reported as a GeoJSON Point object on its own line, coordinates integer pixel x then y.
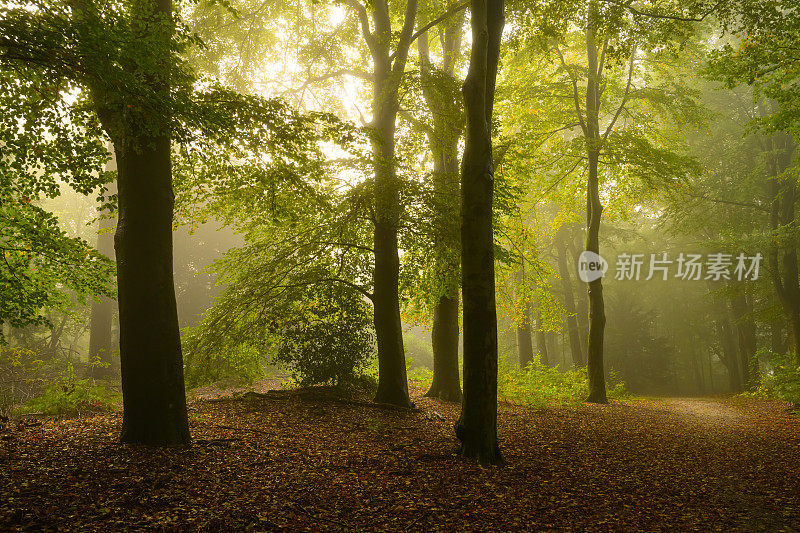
{"type": "Point", "coordinates": [571, 319]}
{"type": "Point", "coordinates": [443, 143]}
{"type": "Point", "coordinates": [746, 335]}
{"type": "Point", "coordinates": [392, 382]}
{"type": "Point", "coordinates": [524, 339]}
{"type": "Point", "coordinates": [729, 354]}
{"type": "Point", "coordinates": [476, 428]}
{"type": "Point", "coordinates": [594, 209]}
{"type": "Point", "coordinates": [446, 383]}
{"type": "Point", "coordinates": [100, 322]}
{"type": "Point", "coordinates": [154, 399]}
{"type": "Point", "coordinates": [728, 340]}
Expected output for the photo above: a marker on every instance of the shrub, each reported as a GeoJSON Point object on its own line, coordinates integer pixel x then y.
{"type": "Point", "coordinates": [68, 396]}
{"type": "Point", "coordinates": [330, 340]}
{"type": "Point", "coordinates": [539, 385]}
{"type": "Point", "coordinates": [781, 381]}
{"type": "Point", "coordinates": [239, 363]}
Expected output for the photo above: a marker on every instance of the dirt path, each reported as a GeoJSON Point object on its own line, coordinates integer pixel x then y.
{"type": "Point", "coordinates": [707, 411]}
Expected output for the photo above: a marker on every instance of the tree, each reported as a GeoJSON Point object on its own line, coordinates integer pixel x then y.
{"type": "Point", "coordinates": [124, 63]}
{"type": "Point", "coordinates": [443, 130]}
{"type": "Point", "coordinates": [476, 428]}
{"type": "Point", "coordinates": [154, 399]}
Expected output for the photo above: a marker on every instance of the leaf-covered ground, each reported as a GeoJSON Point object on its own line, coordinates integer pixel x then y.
{"type": "Point", "coordinates": [304, 460]}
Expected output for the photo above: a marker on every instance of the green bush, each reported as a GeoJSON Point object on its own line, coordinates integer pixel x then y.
{"type": "Point", "coordinates": [331, 341]}
{"type": "Point", "coordinates": [539, 385]}
{"type": "Point", "coordinates": [69, 396]}
{"type": "Point", "coordinates": [781, 381]}
{"type": "Point", "coordinates": [238, 364]}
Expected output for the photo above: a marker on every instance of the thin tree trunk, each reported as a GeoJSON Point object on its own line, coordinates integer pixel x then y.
{"type": "Point", "coordinates": [541, 340]}
{"type": "Point", "coordinates": [100, 322]}
{"type": "Point", "coordinates": [524, 339]}
{"type": "Point", "coordinates": [569, 298]}
{"type": "Point", "coordinates": [476, 428]}
{"type": "Point", "coordinates": [583, 301]}
{"type": "Point", "coordinates": [777, 341]}
{"type": "Point", "coordinates": [729, 355]}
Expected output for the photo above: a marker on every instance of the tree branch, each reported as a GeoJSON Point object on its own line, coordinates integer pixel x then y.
{"type": "Point", "coordinates": [624, 99]}
{"type": "Point", "coordinates": [447, 14]}
{"type": "Point", "coordinates": [575, 96]}
{"type": "Point", "coordinates": [363, 18]}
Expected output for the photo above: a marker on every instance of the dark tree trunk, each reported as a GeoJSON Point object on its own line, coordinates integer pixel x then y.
{"type": "Point", "coordinates": [477, 426]}
{"type": "Point", "coordinates": [571, 319]}
{"type": "Point", "coordinates": [392, 383]}
{"type": "Point", "coordinates": [594, 209]}
{"type": "Point", "coordinates": [446, 383]}
{"type": "Point", "coordinates": [443, 142]}
{"type": "Point", "coordinates": [100, 344]}
{"type": "Point", "coordinates": [729, 353]}
{"type": "Point", "coordinates": [746, 335]}
{"type": "Point", "coordinates": [154, 400]}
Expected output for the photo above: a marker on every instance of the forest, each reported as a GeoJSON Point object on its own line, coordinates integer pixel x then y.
{"type": "Point", "coordinates": [418, 265]}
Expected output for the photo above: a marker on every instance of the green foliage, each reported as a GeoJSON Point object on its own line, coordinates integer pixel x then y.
{"type": "Point", "coordinates": [781, 381]}
{"type": "Point", "coordinates": [329, 339]}
{"type": "Point", "coordinates": [69, 396]}
{"type": "Point", "coordinates": [539, 385]}
{"type": "Point", "coordinates": [240, 364]}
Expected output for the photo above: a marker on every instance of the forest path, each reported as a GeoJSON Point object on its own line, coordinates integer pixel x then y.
{"type": "Point", "coordinates": [707, 411]}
